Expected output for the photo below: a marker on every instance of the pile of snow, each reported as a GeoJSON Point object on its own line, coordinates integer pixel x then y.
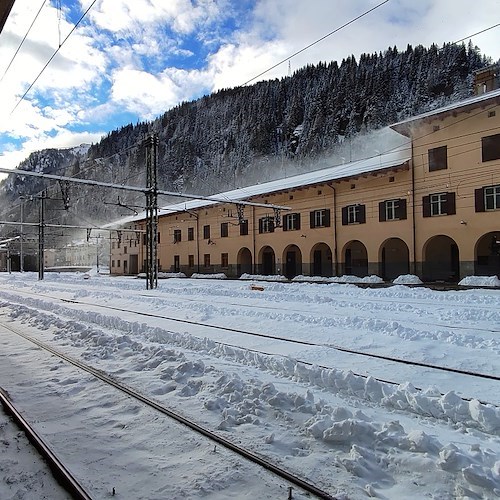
{"type": "Point", "coordinates": [347, 278]}
{"type": "Point", "coordinates": [490, 281]}
{"type": "Point", "coordinates": [171, 275]}
{"type": "Point", "coordinates": [407, 279]}
{"type": "Point", "coordinates": [258, 277]}
{"type": "Point", "coordinates": [216, 276]}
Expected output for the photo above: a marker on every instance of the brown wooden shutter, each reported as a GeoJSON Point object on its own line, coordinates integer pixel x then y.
{"type": "Point", "coordinates": [362, 214]}
{"type": "Point", "coordinates": [450, 204]}
{"type": "Point", "coordinates": [285, 222]}
{"type": "Point", "coordinates": [312, 221]}
{"type": "Point", "coordinates": [401, 210]}
{"type": "Point", "coordinates": [426, 206]}
{"type": "Point", "coordinates": [297, 226]}
{"type": "Point", "coordinates": [381, 211]}
{"type": "Point", "coordinates": [479, 200]}
{"type": "Point", "coordinates": [261, 226]}
{"type": "Point", "coordinates": [345, 219]}
{"type": "Point", "coordinates": [327, 218]}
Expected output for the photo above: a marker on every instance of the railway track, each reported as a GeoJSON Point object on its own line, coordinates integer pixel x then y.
{"type": "Point", "coordinates": [290, 478]}
{"type": "Point", "coordinates": [334, 347]}
{"type": "Point", "coordinates": [61, 473]}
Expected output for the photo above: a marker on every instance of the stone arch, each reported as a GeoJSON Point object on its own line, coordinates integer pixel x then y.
{"type": "Point", "coordinates": [321, 260]}
{"type": "Point", "coordinates": [244, 261]}
{"type": "Point", "coordinates": [267, 261]}
{"type": "Point", "coordinates": [394, 258]}
{"type": "Point", "coordinates": [292, 260]}
{"type": "Point", "coordinates": [355, 259]}
{"type": "Point", "coordinates": [487, 255]}
{"type": "Point", "coordinates": [441, 259]}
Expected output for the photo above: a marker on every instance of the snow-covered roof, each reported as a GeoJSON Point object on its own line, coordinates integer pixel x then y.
{"type": "Point", "coordinates": [403, 126]}
{"type": "Point", "coordinates": [392, 159]}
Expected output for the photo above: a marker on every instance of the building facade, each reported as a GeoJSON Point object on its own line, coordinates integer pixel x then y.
{"type": "Point", "coordinates": [432, 208]}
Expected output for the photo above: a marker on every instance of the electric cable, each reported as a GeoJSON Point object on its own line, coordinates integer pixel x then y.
{"type": "Point", "coordinates": [23, 40]}
{"type": "Point", "coordinates": [52, 57]}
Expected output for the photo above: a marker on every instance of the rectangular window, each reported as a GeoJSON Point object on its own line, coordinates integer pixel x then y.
{"type": "Point", "coordinates": [492, 198]}
{"type": "Point", "coordinates": [206, 232]}
{"type": "Point", "coordinates": [438, 204]}
{"type": "Point", "coordinates": [224, 260]}
{"type": "Point", "coordinates": [206, 260]}
{"type": "Point", "coordinates": [124, 249]}
{"type": "Point", "coordinates": [392, 210]}
{"type": "Point", "coordinates": [438, 158]}
{"type": "Point", "coordinates": [224, 230]}
{"type": "Point", "coordinates": [320, 218]}
{"type": "Point", "coordinates": [190, 233]}
{"type": "Point", "coordinates": [177, 263]}
{"type": "Point", "coordinates": [244, 227]}
{"type": "Point", "coordinates": [266, 225]}
{"type": "Point", "coordinates": [353, 214]}
{"type": "Point", "coordinates": [158, 238]}
{"type": "Point", "coordinates": [112, 263]}
{"type": "Point", "coordinates": [490, 147]}
{"type": "Point", "coordinates": [118, 263]}
{"type": "Point", "coordinates": [177, 235]}
{"type": "Point", "coordinates": [291, 222]}
{"type": "Point", "coordinates": [191, 261]}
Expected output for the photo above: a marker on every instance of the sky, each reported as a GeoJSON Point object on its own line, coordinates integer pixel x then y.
{"type": "Point", "coordinates": [263, 368]}
{"type": "Point", "coordinates": [132, 60]}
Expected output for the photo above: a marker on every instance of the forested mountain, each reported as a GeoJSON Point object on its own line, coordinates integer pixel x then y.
{"type": "Point", "coordinates": [251, 134]}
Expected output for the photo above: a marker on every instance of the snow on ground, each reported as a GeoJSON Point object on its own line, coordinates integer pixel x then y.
{"type": "Point", "coordinates": [355, 425]}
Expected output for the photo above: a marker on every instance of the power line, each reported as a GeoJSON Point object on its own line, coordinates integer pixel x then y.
{"type": "Point", "coordinates": [23, 40]}
{"type": "Point", "coordinates": [336, 30]}
{"type": "Point", "coordinates": [474, 34]}
{"type": "Point", "coordinates": [52, 57]}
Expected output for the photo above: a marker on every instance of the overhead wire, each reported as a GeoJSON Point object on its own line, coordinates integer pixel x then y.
{"type": "Point", "coordinates": [23, 40]}
{"type": "Point", "coordinates": [52, 57]}
{"type": "Point", "coordinates": [336, 30]}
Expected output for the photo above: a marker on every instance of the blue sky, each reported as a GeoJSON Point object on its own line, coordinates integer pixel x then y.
{"type": "Point", "coordinates": [132, 60]}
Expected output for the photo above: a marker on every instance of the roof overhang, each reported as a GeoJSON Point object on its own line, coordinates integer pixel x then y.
{"type": "Point", "coordinates": [5, 8]}
{"type": "Point", "coordinates": [483, 101]}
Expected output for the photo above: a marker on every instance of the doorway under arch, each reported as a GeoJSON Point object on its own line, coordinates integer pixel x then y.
{"type": "Point", "coordinates": [394, 259]}
{"type": "Point", "coordinates": [267, 261]}
{"type": "Point", "coordinates": [441, 259]}
{"type": "Point", "coordinates": [292, 258]}
{"type": "Point", "coordinates": [321, 260]}
{"type": "Point", "coordinates": [355, 259]}
{"type": "Point", "coordinates": [487, 255]}
{"type": "Point", "coordinates": [244, 261]}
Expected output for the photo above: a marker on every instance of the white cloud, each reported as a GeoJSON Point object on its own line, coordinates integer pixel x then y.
{"type": "Point", "coordinates": [118, 59]}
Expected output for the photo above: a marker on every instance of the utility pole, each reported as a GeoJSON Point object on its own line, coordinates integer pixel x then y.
{"type": "Point", "coordinates": [21, 256]}
{"type": "Point", "coordinates": [41, 237]}
{"type": "Point", "coordinates": [151, 212]}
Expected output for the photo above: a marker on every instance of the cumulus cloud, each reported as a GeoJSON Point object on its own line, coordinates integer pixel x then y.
{"type": "Point", "coordinates": [145, 56]}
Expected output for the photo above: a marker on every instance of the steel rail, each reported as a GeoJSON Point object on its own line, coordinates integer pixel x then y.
{"type": "Point", "coordinates": [61, 473]}
{"type": "Point", "coordinates": [275, 469]}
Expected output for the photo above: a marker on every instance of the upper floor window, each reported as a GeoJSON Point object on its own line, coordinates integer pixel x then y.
{"type": "Point", "coordinates": [177, 235]}
{"type": "Point", "coordinates": [266, 225]}
{"type": "Point", "coordinates": [438, 158]}
{"type": "Point", "coordinates": [190, 233]}
{"type": "Point", "coordinates": [224, 230]}
{"type": "Point", "coordinates": [206, 232]}
{"type": "Point", "coordinates": [392, 210]}
{"type": "Point", "coordinates": [244, 227]}
{"type": "Point", "coordinates": [490, 147]}
{"type": "Point", "coordinates": [320, 218]}
{"type": "Point", "coordinates": [291, 222]}
{"type": "Point", "coordinates": [438, 204]}
{"type": "Point", "coordinates": [487, 198]}
{"type": "Point", "coordinates": [353, 214]}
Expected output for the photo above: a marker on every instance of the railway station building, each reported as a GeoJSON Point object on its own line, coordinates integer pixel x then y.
{"type": "Point", "coordinates": [430, 208]}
